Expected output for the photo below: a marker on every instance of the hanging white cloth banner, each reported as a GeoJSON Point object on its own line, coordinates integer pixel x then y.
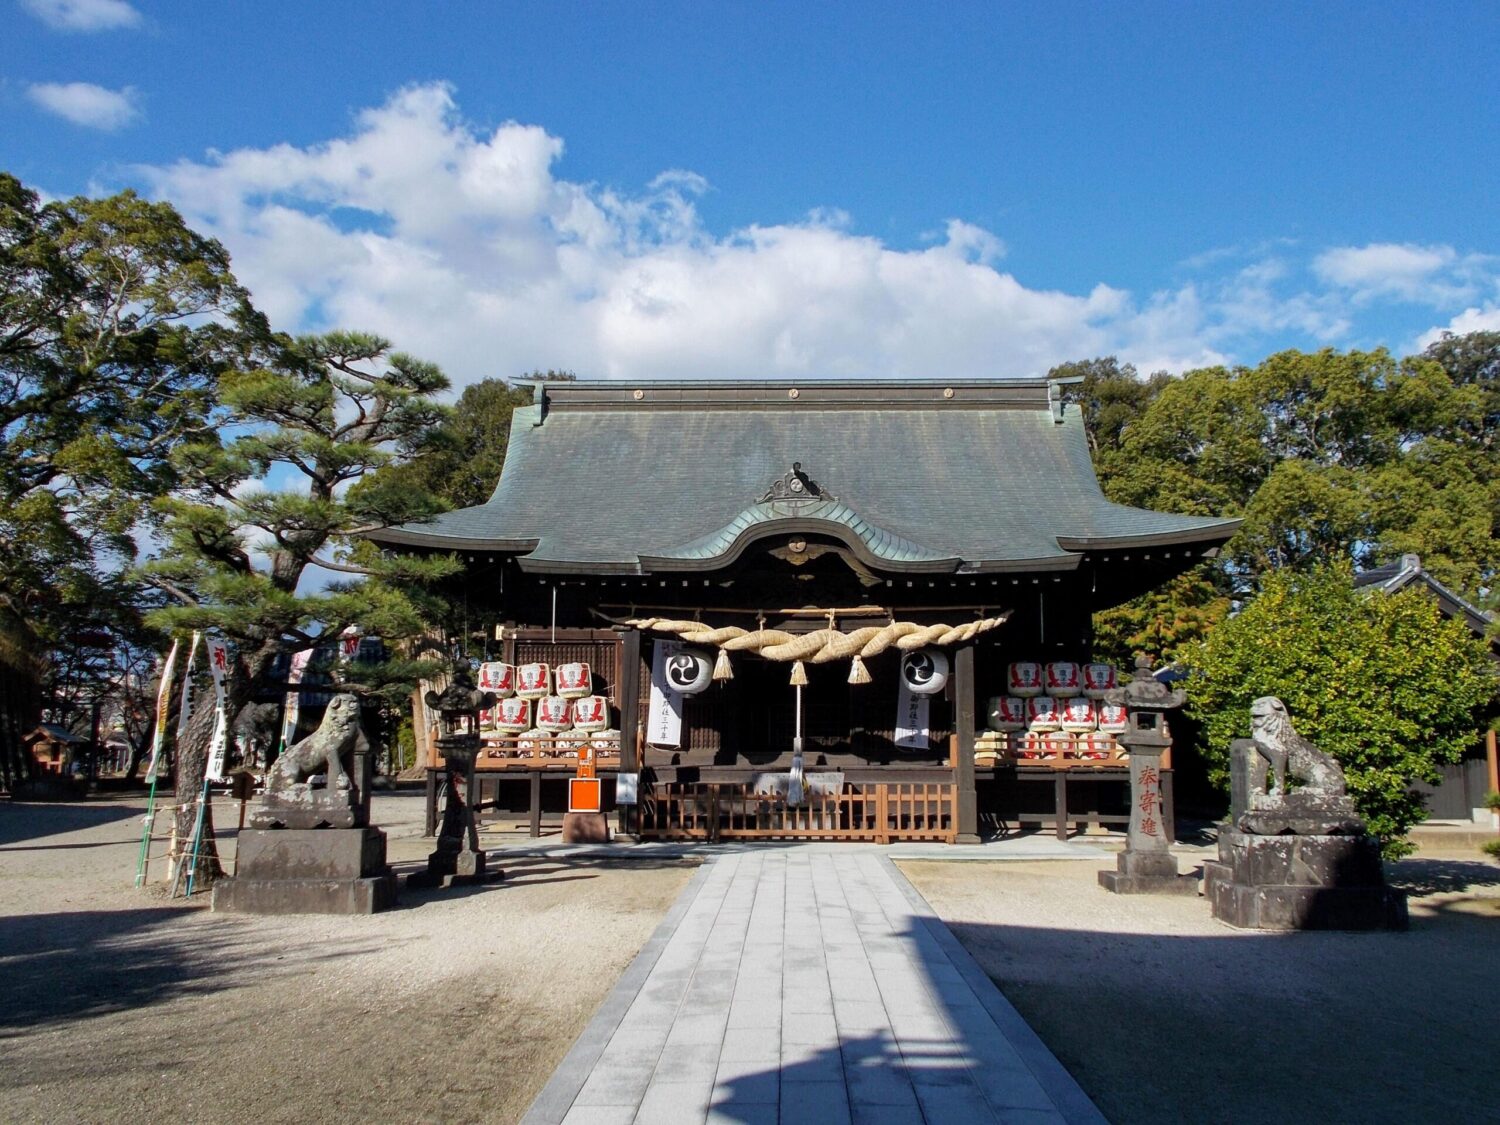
{"type": "Point", "coordinates": [911, 719]}
{"type": "Point", "coordinates": [163, 708]}
{"type": "Point", "coordinates": [664, 714]}
{"type": "Point", "coordinates": [349, 644]}
{"type": "Point", "coordinates": [218, 665]}
{"type": "Point", "coordinates": [293, 697]}
{"type": "Point", "coordinates": [185, 709]}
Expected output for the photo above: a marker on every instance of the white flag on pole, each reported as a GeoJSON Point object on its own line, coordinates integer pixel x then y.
{"type": "Point", "coordinates": [218, 665]}
{"type": "Point", "coordinates": [163, 708]}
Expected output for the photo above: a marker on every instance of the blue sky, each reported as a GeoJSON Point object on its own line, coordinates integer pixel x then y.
{"type": "Point", "coordinates": [657, 190]}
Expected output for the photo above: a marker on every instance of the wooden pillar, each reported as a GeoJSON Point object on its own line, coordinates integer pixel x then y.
{"type": "Point", "coordinates": [963, 714]}
{"type": "Point", "coordinates": [535, 812]}
{"type": "Point", "coordinates": [629, 692]}
{"type": "Point", "coordinates": [1492, 761]}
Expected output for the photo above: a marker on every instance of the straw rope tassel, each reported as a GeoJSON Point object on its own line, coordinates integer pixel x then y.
{"type": "Point", "coordinates": [858, 673]}
{"type": "Point", "coordinates": [723, 670]}
{"type": "Point", "coordinates": [799, 674]}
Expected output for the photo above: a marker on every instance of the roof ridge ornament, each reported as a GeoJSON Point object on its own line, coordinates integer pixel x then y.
{"type": "Point", "coordinates": [796, 485]}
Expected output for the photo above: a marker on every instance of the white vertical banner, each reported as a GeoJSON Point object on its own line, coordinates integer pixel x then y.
{"type": "Point", "coordinates": [163, 708]}
{"type": "Point", "coordinates": [185, 709]}
{"type": "Point", "coordinates": [664, 713]}
{"type": "Point", "coordinates": [349, 644]}
{"type": "Point", "coordinates": [218, 665]}
{"type": "Point", "coordinates": [293, 697]}
{"type": "Point", "coordinates": [911, 719]}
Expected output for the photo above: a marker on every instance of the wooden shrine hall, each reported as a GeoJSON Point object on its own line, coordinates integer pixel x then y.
{"type": "Point", "coordinates": [844, 610]}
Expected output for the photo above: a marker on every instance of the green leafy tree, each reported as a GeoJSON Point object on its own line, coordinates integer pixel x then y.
{"type": "Point", "coordinates": [460, 459]}
{"type": "Point", "coordinates": [115, 322]}
{"type": "Point", "coordinates": [1383, 683]}
{"type": "Point", "coordinates": [281, 497]}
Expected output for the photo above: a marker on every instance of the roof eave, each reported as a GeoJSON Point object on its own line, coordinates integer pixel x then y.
{"type": "Point", "coordinates": [1212, 534]}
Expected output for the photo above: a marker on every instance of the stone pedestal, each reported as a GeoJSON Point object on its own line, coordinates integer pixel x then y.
{"type": "Point", "coordinates": [1146, 866]}
{"type": "Point", "coordinates": [308, 871]}
{"type": "Point", "coordinates": [585, 828]}
{"type": "Point", "coordinates": [1306, 882]}
{"type": "Point", "coordinates": [1147, 873]}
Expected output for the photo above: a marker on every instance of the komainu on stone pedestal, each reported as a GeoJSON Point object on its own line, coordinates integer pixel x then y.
{"type": "Point", "coordinates": [309, 851]}
{"type": "Point", "coordinates": [1295, 859]}
{"type": "Point", "coordinates": [290, 801]}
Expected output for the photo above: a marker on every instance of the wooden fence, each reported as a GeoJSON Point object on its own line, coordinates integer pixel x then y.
{"type": "Point", "coordinates": [874, 811]}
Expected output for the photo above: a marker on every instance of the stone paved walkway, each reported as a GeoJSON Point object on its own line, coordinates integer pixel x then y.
{"type": "Point", "coordinates": [806, 985]}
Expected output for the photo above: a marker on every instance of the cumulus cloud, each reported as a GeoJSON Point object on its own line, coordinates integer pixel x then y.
{"type": "Point", "coordinates": [85, 104]}
{"type": "Point", "coordinates": [467, 247]}
{"type": "Point", "coordinates": [83, 15]}
{"type": "Point", "coordinates": [1470, 320]}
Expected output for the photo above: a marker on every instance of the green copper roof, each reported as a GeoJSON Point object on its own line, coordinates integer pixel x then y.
{"type": "Point", "coordinates": [972, 477]}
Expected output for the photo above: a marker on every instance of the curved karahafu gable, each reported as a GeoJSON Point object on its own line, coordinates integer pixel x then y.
{"type": "Point", "coordinates": [964, 478]}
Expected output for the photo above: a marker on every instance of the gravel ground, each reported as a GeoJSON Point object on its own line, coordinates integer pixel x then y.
{"type": "Point", "coordinates": [1163, 1014]}
{"type": "Point", "coordinates": [118, 1004]}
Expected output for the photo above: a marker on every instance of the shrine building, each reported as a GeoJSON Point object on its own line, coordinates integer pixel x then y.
{"type": "Point", "coordinates": [898, 578]}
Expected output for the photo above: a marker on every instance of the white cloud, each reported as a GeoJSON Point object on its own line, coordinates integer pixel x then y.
{"type": "Point", "coordinates": [1470, 320]}
{"type": "Point", "coordinates": [466, 247]}
{"type": "Point", "coordinates": [83, 15]}
{"type": "Point", "coordinates": [85, 104]}
{"type": "Point", "coordinates": [1435, 275]}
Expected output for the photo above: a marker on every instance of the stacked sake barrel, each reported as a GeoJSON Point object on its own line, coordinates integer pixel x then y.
{"type": "Point", "coordinates": [1056, 712]}
{"type": "Point", "coordinates": [544, 711]}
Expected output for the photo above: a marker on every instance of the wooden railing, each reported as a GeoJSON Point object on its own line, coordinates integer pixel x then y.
{"type": "Point", "coordinates": [556, 751]}
{"type": "Point", "coordinates": [1058, 750]}
{"type": "Point", "coordinates": [875, 811]}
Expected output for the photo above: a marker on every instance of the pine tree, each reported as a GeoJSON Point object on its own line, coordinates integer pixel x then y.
{"type": "Point", "coordinates": [269, 511]}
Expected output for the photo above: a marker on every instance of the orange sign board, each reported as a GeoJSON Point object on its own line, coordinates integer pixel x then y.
{"type": "Point", "coordinates": [584, 794]}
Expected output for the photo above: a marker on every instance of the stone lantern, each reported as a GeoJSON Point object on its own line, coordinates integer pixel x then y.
{"type": "Point", "coordinates": [1147, 866]}
{"type": "Point", "coordinates": [458, 856]}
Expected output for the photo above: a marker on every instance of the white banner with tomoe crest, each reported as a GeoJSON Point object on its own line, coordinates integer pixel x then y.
{"type": "Point", "coordinates": [664, 714]}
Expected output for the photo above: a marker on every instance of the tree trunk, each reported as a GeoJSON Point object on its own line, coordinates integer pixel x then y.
{"type": "Point", "coordinates": [192, 763]}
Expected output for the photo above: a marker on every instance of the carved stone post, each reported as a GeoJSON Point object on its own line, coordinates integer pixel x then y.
{"type": "Point", "coordinates": [1147, 865]}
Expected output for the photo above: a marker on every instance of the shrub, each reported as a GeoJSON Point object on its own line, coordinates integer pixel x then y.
{"type": "Point", "coordinates": [1383, 683]}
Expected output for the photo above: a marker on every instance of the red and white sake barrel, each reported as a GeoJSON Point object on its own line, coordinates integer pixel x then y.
{"type": "Point", "coordinates": [573, 681]}
{"type": "Point", "coordinates": [1098, 679]}
{"type": "Point", "coordinates": [590, 713]}
{"type": "Point", "coordinates": [1078, 715]}
{"type": "Point", "coordinates": [1043, 714]}
{"type": "Point", "coordinates": [554, 713]}
{"type": "Point", "coordinates": [513, 715]}
{"type": "Point", "coordinates": [533, 681]}
{"type": "Point", "coordinates": [1062, 680]}
{"type": "Point", "coordinates": [1041, 744]}
{"type": "Point", "coordinates": [1007, 713]}
{"type": "Point", "coordinates": [530, 742]}
{"type": "Point", "coordinates": [605, 741]}
{"type": "Point", "coordinates": [1113, 718]}
{"type": "Point", "coordinates": [569, 743]}
{"type": "Point", "coordinates": [1096, 746]}
{"type": "Point", "coordinates": [497, 678]}
{"type": "Point", "coordinates": [487, 718]}
{"type": "Point", "coordinates": [1024, 678]}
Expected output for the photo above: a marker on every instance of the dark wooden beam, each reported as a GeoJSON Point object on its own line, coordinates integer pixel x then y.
{"type": "Point", "coordinates": [963, 722]}
{"type": "Point", "coordinates": [630, 699]}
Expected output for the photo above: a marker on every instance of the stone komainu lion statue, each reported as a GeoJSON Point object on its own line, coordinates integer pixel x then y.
{"type": "Point", "coordinates": [322, 751]}
{"type": "Point", "coordinates": [1278, 745]}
